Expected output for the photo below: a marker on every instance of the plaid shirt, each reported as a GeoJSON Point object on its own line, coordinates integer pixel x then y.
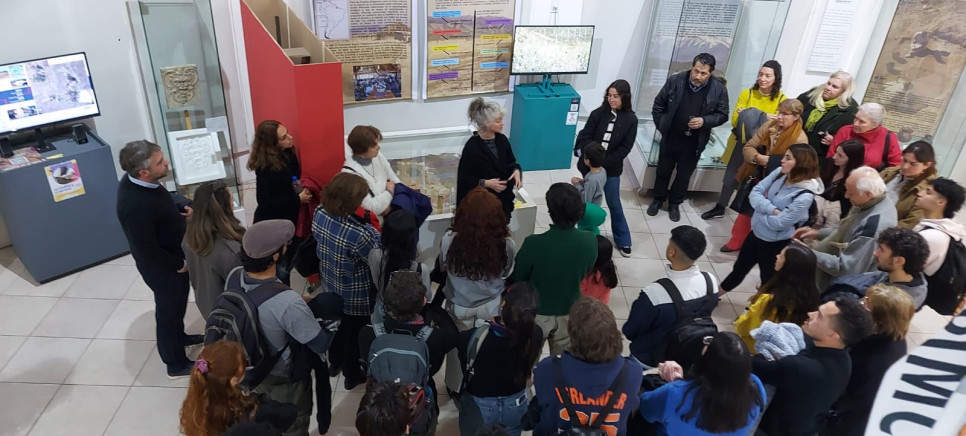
{"type": "Point", "coordinates": [343, 250]}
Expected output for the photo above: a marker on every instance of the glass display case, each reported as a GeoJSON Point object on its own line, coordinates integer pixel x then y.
{"type": "Point", "coordinates": [179, 64]}
{"type": "Point", "coordinates": [741, 34]}
{"type": "Point", "coordinates": [427, 161]}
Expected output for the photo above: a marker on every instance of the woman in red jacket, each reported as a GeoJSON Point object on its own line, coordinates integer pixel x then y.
{"type": "Point", "coordinates": [868, 129]}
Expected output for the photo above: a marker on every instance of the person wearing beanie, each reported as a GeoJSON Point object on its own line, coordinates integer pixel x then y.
{"type": "Point", "coordinates": [653, 315]}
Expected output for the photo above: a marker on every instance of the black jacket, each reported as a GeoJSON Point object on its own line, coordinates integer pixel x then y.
{"type": "Point", "coordinates": [621, 138]}
{"type": "Point", "coordinates": [806, 385]}
{"type": "Point", "coordinates": [871, 358]}
{"type": "Point", "coordinates": [714, 110]}
{"type": "Point", "coordinates": [833, 120]}
{"type": "Point", "coordinates": [274, 193]}
{"type": "Point", "coordinates": [152, 224]}
{"type": "Point", "coordinates": [271, 418]}
{"type": "Point", "coordinates": [477, 162]}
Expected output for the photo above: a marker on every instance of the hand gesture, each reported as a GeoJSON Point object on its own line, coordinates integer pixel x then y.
{"type": "Point", "coordinates": [517, 178]}
{"type": "Point", "coordinates": [496, 185]}
{"type": "Point", "coordinates": [575, 180]}
{"type": "Point", "coordinates": [695, 123]}
{"type": "Point", "coordinates": [827, 139]}
{"type": "Point", "coordinates": [771, 117]}
{"type": "Point", "coordinates": [188, 213]}
{"type": "Point", "coordinates": [761, 160]}
{"type": "Point", "coordinates": [390, 186]}
{"type": "Point", "coordinates": [670, 371]}
{"type": "Point", "coordinates": [305, 196]}
{"type": "Point", "coordinates": [805, 234]}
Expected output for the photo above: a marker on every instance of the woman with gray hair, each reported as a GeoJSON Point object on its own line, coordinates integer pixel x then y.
{"type": "Point", "coordinates": [487, 158]}
{"type": "Point", "coordinates": [881, 146]}
{"type": "Point", "coordinates": [827, 108]}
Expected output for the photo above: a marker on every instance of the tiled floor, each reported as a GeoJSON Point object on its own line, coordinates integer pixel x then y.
{"type": "Point", "coordinates": [77, 355]}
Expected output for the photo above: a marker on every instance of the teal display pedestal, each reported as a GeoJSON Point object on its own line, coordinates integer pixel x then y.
{"type": "Point", "coordinates": [544, 125]}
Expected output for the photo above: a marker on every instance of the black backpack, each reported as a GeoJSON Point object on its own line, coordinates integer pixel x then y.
{"type": "Point", "coordinates": [686, 341]}
{"type": "Point", "coordinates": [401, 357]}
{"type": "Point", "coordinates": [947, 287]}
{"type": "Point", "coordinates": [235, 318]}
{"type": "Point", "coordinates": [595, 422]}
{"type": "Point", "coordinates": [812, 209]}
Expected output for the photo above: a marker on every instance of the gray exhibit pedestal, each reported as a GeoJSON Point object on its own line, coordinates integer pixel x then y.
{"type": "Point", "coordinates": [52, 238]}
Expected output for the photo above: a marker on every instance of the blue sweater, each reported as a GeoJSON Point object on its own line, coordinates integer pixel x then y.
{"type": "Point", "coordinates": [661, 406]}
{"type": "Point", "coordinates": [770, 194]}
{"type": "Point", "coordinates": [587, 383]}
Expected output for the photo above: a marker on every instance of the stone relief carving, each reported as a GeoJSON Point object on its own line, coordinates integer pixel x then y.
{"type": "Point", "coordinates": [181, 86]}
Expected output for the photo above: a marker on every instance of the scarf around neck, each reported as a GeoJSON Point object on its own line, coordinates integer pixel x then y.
{"type": "Point", "coordinates": [819, 112]}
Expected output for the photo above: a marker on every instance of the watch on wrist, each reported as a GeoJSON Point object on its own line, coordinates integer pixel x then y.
{"type": "Point", "coordinates": [482, 182]}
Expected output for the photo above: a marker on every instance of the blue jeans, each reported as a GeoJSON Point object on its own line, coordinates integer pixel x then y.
{"type": "Point", "coordinates": [477, 411]}
{"type": "Point", "coordinates": [618, 224]}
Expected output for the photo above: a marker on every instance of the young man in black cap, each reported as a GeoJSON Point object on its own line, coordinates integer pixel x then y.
{"type": "Point", "coordinates": [283, 316]}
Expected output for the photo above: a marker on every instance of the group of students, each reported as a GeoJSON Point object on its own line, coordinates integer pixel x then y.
{"type": "Point", "coordinates": [785, 370]}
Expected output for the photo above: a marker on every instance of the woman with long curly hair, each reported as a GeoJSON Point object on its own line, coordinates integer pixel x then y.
{"type": "Point", "coordinates": [785, 297]}
{"type": "Point", "coordinates": [211, 244]}
{"type": "Point", "coordinates": [215, 403]}
{"type": "Point", "coordinates": [477, 255]}
{"type": "Point", "coordinates": [906, 181]}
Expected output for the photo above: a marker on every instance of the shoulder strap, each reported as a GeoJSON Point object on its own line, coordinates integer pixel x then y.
{"type": "Point", "coordinates": [564, 396]}
{"type": "Point", "coordinates": [615, 387]}
{"type": "Point", "coordinates": [472, 350]}
{"type": "Point", "coordinates": [675, 294]}
{"type": "Point", "coordinates": [423, 334]}
{"type": "Point", "coordinates": [266, 291]}
{"type": "Point", "coordinates": [354, 171]}
{"type": "Point", "coordinates": [885, 149]}
{"type": "Point", "coordinates": [379, 329]}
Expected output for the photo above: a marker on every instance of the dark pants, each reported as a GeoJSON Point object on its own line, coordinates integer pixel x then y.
{"type": "Point", "coordinates": [170, 290]}
{"type": "Point", "coordinates": [729, 183]}
{"type": "Point", "coordinates": [323, 391]}
{"type": "Point", "coordinates": [344, 352]}
{"type": "Point", "coordinates": [685, 159]}
{"type": "Point", "coordinates": [754, 251]}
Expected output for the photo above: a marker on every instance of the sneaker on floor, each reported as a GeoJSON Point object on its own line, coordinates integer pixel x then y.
{"type": "Point", "coordinates": [194, 340]}
{"type": "Point", "coordinates": [181, 373]}
{"type": "Point", "coordinates": [717, 212]}
{"type": "Point", "coordinates": [674, 212]}
{"type": "Point", "coordinates": [625, 251]}
{"type": "Point", "coordinates": [654, 208]}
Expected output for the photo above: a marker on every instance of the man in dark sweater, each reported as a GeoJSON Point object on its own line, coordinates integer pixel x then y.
{"type": "Point", "coordinates": [689, 105]}
{"type": "Point", "coordinates": [154, 227]}
{"type": "Point", "coordinates": [809, 382]}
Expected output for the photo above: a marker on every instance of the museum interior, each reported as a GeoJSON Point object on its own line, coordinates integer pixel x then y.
{"type": "Point", "coordinates": [81, 303]}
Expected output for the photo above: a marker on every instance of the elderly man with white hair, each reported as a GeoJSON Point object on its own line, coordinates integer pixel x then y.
{"type": "Point", "coordinates": [848, 248]}
{"type": "Point", "coordinates": [881, 146]}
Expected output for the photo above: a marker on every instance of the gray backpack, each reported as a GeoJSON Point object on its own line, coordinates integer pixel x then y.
{"type": "Point", "coordinates": [400, 357]}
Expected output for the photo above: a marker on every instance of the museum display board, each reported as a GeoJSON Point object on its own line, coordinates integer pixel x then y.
{"type": "Point", "coordinates": [741, 34]}
{"type": "Point", "coordinates": [917, 75]}
{"type": "Point", "coordinates": [179, 62]}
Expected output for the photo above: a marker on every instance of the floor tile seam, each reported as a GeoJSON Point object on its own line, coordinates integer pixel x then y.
{"type": "Point", "coordinates": [46, 405]}
{"type": "Point", "coordinates": [117, 410]}
{"type": "Point", "coordinates": [19, 347]}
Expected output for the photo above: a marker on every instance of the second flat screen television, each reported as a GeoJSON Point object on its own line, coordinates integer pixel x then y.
{"type": "Point", "coordinates": [45, 91]}
{"type": "Point", "coordinates": [551, 49]}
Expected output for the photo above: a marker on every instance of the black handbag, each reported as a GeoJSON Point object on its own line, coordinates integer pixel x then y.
{"type": "Point", "coordinates": [306, 259]}
{"type": "Point", "coordinates": [742, 203]}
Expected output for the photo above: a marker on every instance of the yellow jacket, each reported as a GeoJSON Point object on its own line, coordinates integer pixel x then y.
{"type": "Point", "coordinates": [752, 319]}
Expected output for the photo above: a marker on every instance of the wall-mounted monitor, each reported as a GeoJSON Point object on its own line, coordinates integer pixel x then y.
{"type": "Point", "coordinates": [551, 49]}
{"type": "Point", "coordinates": [45, 91]}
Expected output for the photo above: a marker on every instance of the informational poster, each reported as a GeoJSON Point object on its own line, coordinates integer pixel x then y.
{"type": "Point", "coordinates": [683, 29]}
{"type": "Point", "coordinates": [919, 67]}
{"type": "Point", "coordinates": [832, 35]}
{"type": "Point", "coordinates": [21, 158]}
{"type": "Point", "coordinates": [65, 180]}
{"type": "Point", "coordinates": [377, 56]}
{"type": "Point", "coordinates": [469, 45]}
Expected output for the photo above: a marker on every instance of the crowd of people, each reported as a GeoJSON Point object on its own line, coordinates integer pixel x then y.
{"type": "Point", "coordinates": [851, 236]}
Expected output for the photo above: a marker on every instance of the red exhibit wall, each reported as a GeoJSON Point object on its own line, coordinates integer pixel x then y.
{"type": "Point", "coordinates": [307, 99]}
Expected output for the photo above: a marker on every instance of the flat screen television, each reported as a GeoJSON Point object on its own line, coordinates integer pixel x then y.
{"type": "Point", "coordinates": [45, 91]}
{"type": "Point", "coordinates": [551, 49]}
